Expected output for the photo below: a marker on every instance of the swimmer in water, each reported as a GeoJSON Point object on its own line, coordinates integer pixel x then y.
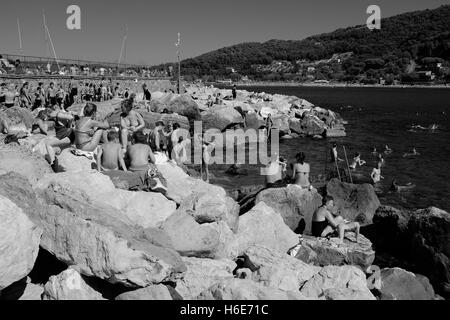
{"type": "Point", "coordinates": [412, 154]}
{"type": "Point", "coordinates": [387, 150]}
{"type": "Point", "coordinates": [381, 159]}
{"type": "Point", "coordinates": [376, 174]}
{"type": "Point", "coordinates": [433, 127]}
{"type": "Point", "coordinates": [357, 161]}
{"type": "Point", "coordinates": [397, 187]}
{"type": "Point", "coordinates": [374, 151]}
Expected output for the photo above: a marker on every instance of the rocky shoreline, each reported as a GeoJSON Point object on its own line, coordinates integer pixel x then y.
{"type": "Point", "coordinates": [75, 234]}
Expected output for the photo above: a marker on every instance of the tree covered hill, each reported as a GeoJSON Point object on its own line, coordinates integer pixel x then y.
{"type": "Point", "coordinates": [405, 44]}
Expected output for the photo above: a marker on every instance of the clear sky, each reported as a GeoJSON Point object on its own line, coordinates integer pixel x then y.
{"type": "Point", "coordinates": [205, 25]}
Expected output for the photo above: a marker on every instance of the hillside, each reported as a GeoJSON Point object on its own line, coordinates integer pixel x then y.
{"type": "Point", "coordinates": [405, 48]}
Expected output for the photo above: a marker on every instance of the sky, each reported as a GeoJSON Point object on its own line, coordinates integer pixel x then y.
{"type": "Point", "coordinates": [205, 25]}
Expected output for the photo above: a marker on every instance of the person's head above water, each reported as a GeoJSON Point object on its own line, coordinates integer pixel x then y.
{"type": "Point", "coordinates": [159, 124]}
{"type": "Point", "coordinates": [90, 110]}
{"type": "Point", "coordinates": [300, 157]}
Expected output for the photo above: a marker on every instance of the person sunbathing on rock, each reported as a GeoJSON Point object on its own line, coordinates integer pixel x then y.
{"type": "Point", "coordinates": [130, 122]}
{"type": "Point", "coordinates": [139, 154]}
{"type": "Point", "coordinates": [110, 155]}
{"type": "Point", "coordinates": [88, 131]}
{"type": "Point", "coordinates": [324, 223]}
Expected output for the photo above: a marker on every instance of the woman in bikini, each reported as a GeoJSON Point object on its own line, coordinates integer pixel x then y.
{"type": "Point", "coordinates": [301, 172]}
{"type": "Point", "coordinates": [88, 131]}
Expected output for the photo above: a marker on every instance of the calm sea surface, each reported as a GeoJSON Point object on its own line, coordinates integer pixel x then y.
{"type": "Point", "coordinates": [378, 116]}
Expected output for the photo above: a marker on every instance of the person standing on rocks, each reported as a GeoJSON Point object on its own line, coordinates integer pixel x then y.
{"type": "Point", "coordinates": [324, 223]}
{"type": "Point", "coordinates": [233, 92]}
{"type": "Point", "coordinates": [376, 173]}
{"type": "Point", "coordinates": [130, 122]}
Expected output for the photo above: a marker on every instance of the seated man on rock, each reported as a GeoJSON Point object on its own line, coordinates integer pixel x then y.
{"type": "Point", "coordinates": [324, 223]}
{"type": "Point", "coordinates": [110, 155]}
{"type": "Point", "coordinates": [139, 155]}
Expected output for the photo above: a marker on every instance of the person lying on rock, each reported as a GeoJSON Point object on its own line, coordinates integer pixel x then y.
{"type": "Point", "coordinates": [110, 154]}
{"type": "Point", "coordinates": [324, 223]}
{"type": "Point", "coordinates": [88, 130]}
{"type": "Point", "coordinates": [130, 122]}
{"type": "Point", "coordinates": [139, 155]}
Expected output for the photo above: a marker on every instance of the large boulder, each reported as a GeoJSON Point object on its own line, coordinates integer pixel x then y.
{"type": "Point", "coordinates": [324, 252]}
{"type": "Point", "coordinates": [245, 289]}
{"type": "Point", "coordinates": [312, 125]}
{"type": "Point", "coordinates": [295, 205]}
{"type": "Point", "coordinates": [202, 274]}
{"type": "Point", "coordinates": [19, 243]}
{"type": "Point", "coordinates": [355, 202]}
{"type": "Point", "coordinates": [399, 284]}
{"type": "Point", "coordinates": [207, 240]}
{"type": "Point", "coordinates": [112, 247]}
{"type": "Point", "coordinates": [69, 285]}
{"type": "Point", "coordinates": [68, 162]}
{"type": "Point", "coordinates": [338, 283]}
{"type": "Point", "coordinates": [295, 125]}
{"type": "Point", "coordinates": [17, 119]}
{"type": "Point", "coordinates": [277, 269]}
{"type": "Point", "coordinates": [221, 117]}
{"type": "Point", "coordinates": [183, 104]}
{"type": "Point", "coordinates": [153, 292]}
{"type": "Point", "coordinates": [21, 160]}
{"type": "Point", "coordinates": [145, 209]}
{"type": "Point", "coordinates": [205, 202]}
{"type": "Point", "coordinates": [264, 226]}
{"type": "Point", "coordinates": [281, 122]}
{"type": "Point", "coordinates": [430, 246]}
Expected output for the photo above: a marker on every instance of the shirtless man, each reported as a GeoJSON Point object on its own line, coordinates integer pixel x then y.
{"type": "Point", "coordinates": [51, 95]}
{"type": "Point", "coordinates": [324, 222]}
{"type": "Point", "coordinates": [130, 122]}
{"type": "Point", "coordinates": [10, 96]}
{"type": "Point", "coordinates": [110, 155]}
{"type": "Point", "coordinates": [139, 155]}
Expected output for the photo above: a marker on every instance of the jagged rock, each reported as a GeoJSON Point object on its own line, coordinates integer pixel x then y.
{"type": "Point", "coordinates": [244, 289]}
{"type": "Point", "coordinates": [207, 240]}
{"type": "Point", "coordinates": [338, 282]}
{"type": "Point", "coordinates": [281, 122]}
{"type": "Point", "coordinates": [205, 202]}
{"type": "Point", "coordinates": [430, 246]}
{"type": "Point", "coordinates": [32, 292]}
{"type": "Point", "coordinates": [145, 209]}
{"type": "Point", "coordinates": [221, 117]}
{"type": "Point", "coordinates": [202, 274]}
{"type": "Point", "coordinates": [264, 226]}
{"type": "Point", "coordinates": [335, 133]}
{"type": "Point", "coordinates": [19, 243]}
{"type": "Point", "coordinates": [295, 125]}
{"type": "Point", "coordinates": [112, 247]}
{"type": "Point", "coordinates": [277, 269]}
{"type": "Point", "coordinates": [312, 125]}
{"type": "Point", "coordinates": [153, 292]}
{"type": "Point", "coordinates": [356, 202]}
{"type": "Point", "coordinates": [183, 104]}
{"type": "Point", "coordinates": [68, 162]}
{"type": "Point", "coordinates": [324, 252]}
{"type": "Point", "coordinates": [399, 284]}
{"type": "Point", "coordinates": [295, 205]}
{"type": "Point", "coordinates": [21, 160]}
{"type": "Point", "coordinates": [17, 119]}
{"type": "Point", "coordinates": [69, 285]}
